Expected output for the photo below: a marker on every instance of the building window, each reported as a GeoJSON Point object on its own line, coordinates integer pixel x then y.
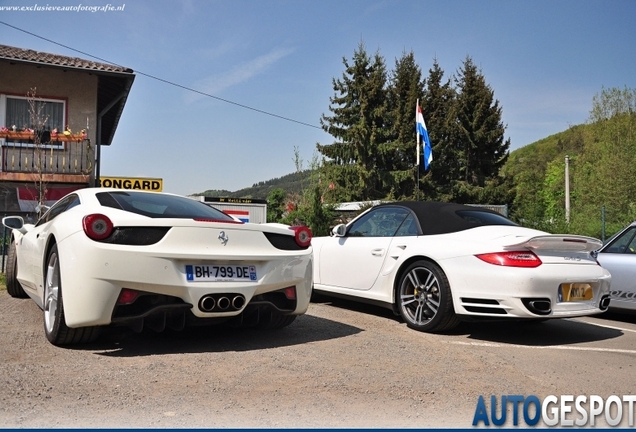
{"type": "Point", "coordinates": [17, 113]}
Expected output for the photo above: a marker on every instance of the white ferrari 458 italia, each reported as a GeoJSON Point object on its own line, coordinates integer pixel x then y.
{"type": "Point", "coordinates": [102, 257]}
{"type": "Point", "coordinates": [437, 263]}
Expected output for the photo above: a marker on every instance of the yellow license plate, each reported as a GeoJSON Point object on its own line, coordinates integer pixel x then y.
{"type": "Point", "coordinates": [571, 292]}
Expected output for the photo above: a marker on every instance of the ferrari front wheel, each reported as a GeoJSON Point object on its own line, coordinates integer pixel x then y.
{"type": "Point", "coordinates": [424, 299]}
{"type": "Point", "coordinates": [13, 285]}
{"type": "Point", "coordinates": [55, 328]}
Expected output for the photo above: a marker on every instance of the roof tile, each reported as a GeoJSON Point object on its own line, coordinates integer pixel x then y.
{"type": "Point", "coordinates": [27, 55]}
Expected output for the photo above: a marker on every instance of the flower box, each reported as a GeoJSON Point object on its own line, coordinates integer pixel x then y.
{"type": "Point", "coordinates": [68, 138]}
{"type": "Point", "coordinates": [29, 136]}
{"type": "Point", "coordinates": [10, 135]}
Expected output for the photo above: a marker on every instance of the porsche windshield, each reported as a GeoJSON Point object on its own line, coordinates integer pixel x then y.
{"type": "Point", "coordinates": [157, 205]}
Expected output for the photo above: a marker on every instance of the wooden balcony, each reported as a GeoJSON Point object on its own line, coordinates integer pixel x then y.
{"type": "Point", "coordinates": [67, 159]}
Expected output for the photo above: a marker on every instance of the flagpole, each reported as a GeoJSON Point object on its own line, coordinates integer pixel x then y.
{"type": "Point", "coordinates": [417, 168]}
{"type": "Point", "coordinates": [417, 157]}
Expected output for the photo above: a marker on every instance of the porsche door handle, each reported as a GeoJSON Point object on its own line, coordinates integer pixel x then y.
{"type": "Point", "coordinates": [377, 252]}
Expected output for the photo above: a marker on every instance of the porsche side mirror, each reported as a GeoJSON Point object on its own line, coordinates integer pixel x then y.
{"type": "Point", "coordinates": [14, 222]}
{"type": "Point", "coordinates": [339, 230]}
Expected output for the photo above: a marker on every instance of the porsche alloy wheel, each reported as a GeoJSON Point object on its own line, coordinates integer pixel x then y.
{"type": "Point", "coordinates": [13, 286]}
{"type": "Point", "coordinates": [424, 298]}
{"type": "Point", "coordinates": [55, 328]}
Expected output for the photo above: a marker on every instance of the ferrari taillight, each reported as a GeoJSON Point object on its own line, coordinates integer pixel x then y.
{"type": "Point", "coordinates": [290, 293]}
{"type": "Point", "coordinates": [127, 296]}
{"type": "Point", "coordinates": [512, 259]}
{"type": "Point", "coordinates": [302, 235]}
{"type": "Point", "coordinates": [97, 226]}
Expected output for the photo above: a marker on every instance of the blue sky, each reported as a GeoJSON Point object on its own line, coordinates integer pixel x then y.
{"type": "Point", "coordinates": [544, 59]}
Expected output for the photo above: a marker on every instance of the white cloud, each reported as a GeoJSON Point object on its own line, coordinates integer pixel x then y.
{"type": "Point", "coordinates": [216, 84]}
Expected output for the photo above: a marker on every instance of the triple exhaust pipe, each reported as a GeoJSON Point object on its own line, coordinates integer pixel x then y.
{"type": "Point", "coordinates": [221, 302]}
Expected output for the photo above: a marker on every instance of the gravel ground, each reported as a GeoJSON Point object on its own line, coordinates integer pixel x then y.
{"type": "Point", "coordinates": [332, 367]}
{"type": "Point", "coordinates": [340, 365]}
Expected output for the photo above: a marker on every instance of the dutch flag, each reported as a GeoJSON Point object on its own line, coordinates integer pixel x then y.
{"type": "Point", "coordinates": [420, 128]}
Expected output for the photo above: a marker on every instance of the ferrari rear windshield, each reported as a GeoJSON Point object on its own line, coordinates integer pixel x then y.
{"type": "Point", "coordinates": [156, 205]}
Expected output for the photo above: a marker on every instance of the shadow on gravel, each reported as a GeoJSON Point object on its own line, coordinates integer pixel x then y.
{"type": "Point", "coordinates": [619, 315]}
{"type": "Point", "coordinates": [545, 333]}
{"type": "Point", "coordinates": [122, 342]}
{"type": "Point", "coordinates": [529, 333]}
{"type": "Point", "coordinates": [344, 303]}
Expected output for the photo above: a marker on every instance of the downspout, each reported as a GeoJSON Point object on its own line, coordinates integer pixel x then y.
{"type": "Point", "coordinates": [98, 144]}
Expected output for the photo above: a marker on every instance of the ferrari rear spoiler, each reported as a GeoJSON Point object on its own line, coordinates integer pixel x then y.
{"type": "Point", "coordinates": [559, 242]}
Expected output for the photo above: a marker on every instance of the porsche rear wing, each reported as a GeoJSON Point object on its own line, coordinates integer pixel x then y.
{"type": "Point", "coordinates": [559, 242]}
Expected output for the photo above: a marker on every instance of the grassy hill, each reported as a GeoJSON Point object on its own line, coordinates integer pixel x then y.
{"type": "Point", "coordinates": [291, 183]}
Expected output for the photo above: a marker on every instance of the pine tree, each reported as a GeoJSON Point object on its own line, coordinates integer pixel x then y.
{"type": "Point", "coordinates": [480, 132]}
{"type": "Point", "coordinates": [358, 124]}
{"type": "Point", "coordinates": [436, 105]}
{"type": "Point", "coordinates": [405, 89]}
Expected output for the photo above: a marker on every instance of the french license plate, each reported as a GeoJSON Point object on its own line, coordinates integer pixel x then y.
{"type": "Point", "coordinates": [220, 273]}
{"type": "Point", "coordinates": [571, 292]}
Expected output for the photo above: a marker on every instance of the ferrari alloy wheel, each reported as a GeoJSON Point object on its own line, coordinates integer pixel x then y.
{"type": "Point", "coordinates": [13, 286]}
{"type": "Point", "coordinates": [55, 326]}
{"type": "Point", "coordinates": [424, 298]}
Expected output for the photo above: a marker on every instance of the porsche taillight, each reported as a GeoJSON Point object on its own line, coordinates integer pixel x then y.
{"type": "Point", "coordinates": [512, 259]}
{"type": "Point", "coordinates": [302, 235]}
{"type": "Point", "coordinates": [97, 226]}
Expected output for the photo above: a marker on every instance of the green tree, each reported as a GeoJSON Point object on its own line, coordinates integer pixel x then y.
{"type": "Point", "coordinates": [527, 168]}
{"type": "Point", "coordinates": [359, 125]}
{"type": "Point", "coordinates": [479, 131]}
{"type": "Point", "coordinates": [308, 207]}
{"type": "Point", "coordinates": [373, 124]}
{"type": "Point", "coordinates": [312, 212]}
{"type": "Point", "coordinates": [439, 97]}
{"type": "Point", "coordinates": [406, 87]}
{"type": "Point", "coordinates": [605, 173]}
{"type": "Point", "coordinates": [276, 204]}
{"type": "Point", "coordinates": [611, 103]}
{"type": "Point", "coordinates": [553, 197]}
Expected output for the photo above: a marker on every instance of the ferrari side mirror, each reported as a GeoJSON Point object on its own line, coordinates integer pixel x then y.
{"type": "Point", "coordinates": [14, 222]}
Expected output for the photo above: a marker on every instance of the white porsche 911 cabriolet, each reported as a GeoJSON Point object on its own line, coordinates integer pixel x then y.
{"type": "Point", "coordinates": [435, 263]}
{"type": "Point", "coordinates": [146, 259]}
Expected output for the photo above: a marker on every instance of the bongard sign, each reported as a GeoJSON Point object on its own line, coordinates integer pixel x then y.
{"type": "Point", "coordinates": [149, 184]}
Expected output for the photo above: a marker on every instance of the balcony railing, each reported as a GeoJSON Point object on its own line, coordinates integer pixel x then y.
{"type": "Point", "coordinates": [63, 157]}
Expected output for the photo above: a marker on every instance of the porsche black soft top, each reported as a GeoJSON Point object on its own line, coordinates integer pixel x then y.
{"type": "Point", "coordinates": [442, 218]}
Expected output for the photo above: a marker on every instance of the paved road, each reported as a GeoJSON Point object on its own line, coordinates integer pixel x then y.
{"type": "Point", "coordinates": [341, 365]}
